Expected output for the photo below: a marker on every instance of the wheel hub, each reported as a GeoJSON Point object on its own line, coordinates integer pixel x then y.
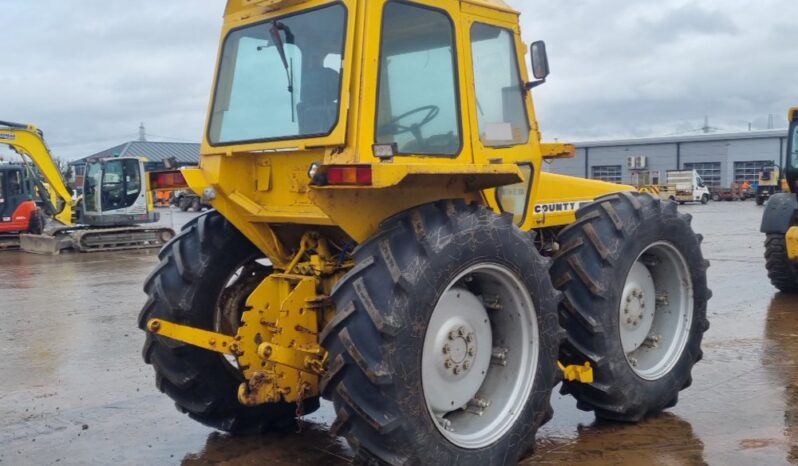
{"type": "Point", "coordinates": [460, 350]}
{"type": "Point", "coordinates": [656, 311]}
{"type": "Point", "coordinates": [474, 390]}
{"type": "Point", "coordinates": [461, 329]}
{"type": "Point", "coordinates": [638, 303]}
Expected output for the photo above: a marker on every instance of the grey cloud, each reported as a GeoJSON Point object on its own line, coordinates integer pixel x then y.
{"type": "Point", "coordinates": [89, 71]}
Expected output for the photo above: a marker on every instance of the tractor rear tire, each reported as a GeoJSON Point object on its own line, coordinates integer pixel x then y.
{"type": "Point", "coordinates": [627, 268]}
{"type": "Point", "coordinates": [206, 273]}
{"type": "Point", "coordinates": [782, 272]}
{"type": "Point", "coordinates": [388, 318]}
{"type": "Point", "coordinates": [705, 199]}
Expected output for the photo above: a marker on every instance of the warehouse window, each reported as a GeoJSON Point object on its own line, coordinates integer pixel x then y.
{"type": "Point", "coordinates": [708, 171]}
{"type": "Point", "coordinates": [610, 173]}
{"type": "Point", "coordinates": [749, 171]}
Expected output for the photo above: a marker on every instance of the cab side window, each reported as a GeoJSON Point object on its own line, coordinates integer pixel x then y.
{"type": "Point", "coordinates": [418, 93]}
{"type": "Point", "coordinates": [499, 89]}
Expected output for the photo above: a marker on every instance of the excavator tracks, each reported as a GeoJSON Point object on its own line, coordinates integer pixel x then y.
{"type": "Point", "coordinates": [88, 240]}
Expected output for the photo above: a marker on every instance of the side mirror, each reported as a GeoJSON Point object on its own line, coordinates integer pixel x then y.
{"type": "Point", "coordinates": [540, 60]}
{"type": "Point", "coordinates": [540, 64]}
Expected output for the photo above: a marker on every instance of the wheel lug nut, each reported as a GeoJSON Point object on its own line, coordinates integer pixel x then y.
{"type": "Point", "coordinates": [449, 364]}
{"type": "Point", "coordinates": [447, 349]}
{"type": "Point", "coordinates": [466, 365]}
{"type": "Point", "coordinates": [470, 337]}
{"type": "Point", "coordinates": [452, 335]}
{"type": "Point", "coordinates": [461, 331]}
{"type": "Point", "coordinates": [472, 352]}
{"type": "Point", "coordinates": [457, 370]}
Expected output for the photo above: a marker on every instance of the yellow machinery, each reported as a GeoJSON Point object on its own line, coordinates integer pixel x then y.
{"type": "Point", "coordinates": [385, 237]}
{"type": "Point", "coordinates": [116, 198]}
{"type": "Point", "coordinates": [780, 221]}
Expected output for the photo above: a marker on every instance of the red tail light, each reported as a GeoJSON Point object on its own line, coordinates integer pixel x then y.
{"type": "Point", "coordinates": [350, 175]}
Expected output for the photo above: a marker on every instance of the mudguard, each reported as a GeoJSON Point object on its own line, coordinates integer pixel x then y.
{"type": "Point", "coordinates": [779, 213]}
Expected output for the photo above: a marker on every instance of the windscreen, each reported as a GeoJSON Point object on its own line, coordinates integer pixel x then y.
{"type": "Point", "coordinates": [280, 79]}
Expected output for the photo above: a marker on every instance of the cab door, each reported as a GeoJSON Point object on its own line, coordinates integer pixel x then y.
{"type": "Point", "coordinates": [13, 193]}
{"type": "Point", "coordinates": [5, 211]}
{"type": "Point", "coordinates": [501, 113]}
{"type": "Point", "coordinates": [122, 188]}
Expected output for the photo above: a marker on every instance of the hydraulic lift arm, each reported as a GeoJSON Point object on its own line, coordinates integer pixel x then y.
{"type": "Point", "coordinates": [28, 141]}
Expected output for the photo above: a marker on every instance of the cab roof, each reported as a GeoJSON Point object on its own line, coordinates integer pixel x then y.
{"type": "Point", "coordinates": [238, 6]}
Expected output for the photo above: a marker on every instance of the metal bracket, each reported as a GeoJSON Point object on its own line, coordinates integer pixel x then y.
{"type": "Point", "coordinates": [581, 374]}
{"type": "Point", "coordinates": [193, 336]}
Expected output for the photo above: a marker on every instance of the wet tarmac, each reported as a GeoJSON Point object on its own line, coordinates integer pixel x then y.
{"type": "Point", "coordinates": [74, 390]}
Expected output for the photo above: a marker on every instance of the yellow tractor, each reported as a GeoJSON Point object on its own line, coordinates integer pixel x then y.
{"type": "Point", "coordinates": [780, 221]}
{"type": "Point", "coordinates": [385, 237]}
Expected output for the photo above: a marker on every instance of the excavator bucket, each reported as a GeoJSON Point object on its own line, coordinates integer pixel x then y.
{"type": "Point", "coordinates": [44, 244]}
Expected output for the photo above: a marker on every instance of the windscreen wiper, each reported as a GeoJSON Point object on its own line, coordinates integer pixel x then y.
{"type": "Point", "coordinates": [274, 31]}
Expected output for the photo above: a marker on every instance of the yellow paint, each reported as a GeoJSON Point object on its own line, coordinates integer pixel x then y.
{"type": "Point", "coordinates": [262, 187]}
{"type": "Point", "coordinates": [555, 190]}
{"type": "Point", "coordinates": [792, 244]}
{"type": "Point", "coordinates": [29, 143]}
{"type": "Point", "coordinates": [581, 374]}
{"type": "Point", "coordinates": [201, 338]}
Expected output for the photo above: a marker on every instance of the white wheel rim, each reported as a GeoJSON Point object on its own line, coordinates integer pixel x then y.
{"type": "Point", "coordinates": [480, 356]}
{"type": "Point", "coordinates": [656, 311]}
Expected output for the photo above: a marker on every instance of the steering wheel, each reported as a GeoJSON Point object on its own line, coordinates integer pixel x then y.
{"type": "Point", "coordinates": [394, 128]}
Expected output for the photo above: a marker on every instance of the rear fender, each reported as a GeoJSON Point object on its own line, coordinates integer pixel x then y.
{"type": "Point", "coordinates": [780, 213]}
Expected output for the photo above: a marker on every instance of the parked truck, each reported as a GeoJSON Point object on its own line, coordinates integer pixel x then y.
{"type": "Point", "coordinates": [687, 186]}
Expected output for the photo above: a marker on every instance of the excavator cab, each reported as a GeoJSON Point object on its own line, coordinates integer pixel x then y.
{"type": "Point", "coordinates": [18, 210]}
{"type": "Point", "coordinates": [115, 193]}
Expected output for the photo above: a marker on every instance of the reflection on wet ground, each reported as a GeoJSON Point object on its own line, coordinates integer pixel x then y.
{"type": "Point", "coordinates": [73, 388]}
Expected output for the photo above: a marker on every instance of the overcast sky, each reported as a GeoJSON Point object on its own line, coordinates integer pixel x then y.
{"type": "Point", "coordinates": [89, 72]}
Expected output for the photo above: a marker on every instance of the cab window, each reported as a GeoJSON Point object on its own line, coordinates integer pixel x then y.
{"type": "Point", "coordinates": [418, 96]}
{"type": "Point", "coordinates": [514, 199]}
{"type": "Point", "coordinates": [132, 182]}
{"type": "Point", "coordinates": [2, 188]}
{"type": "Point", "coordinates": [113, 188]}
{"type": "Point", "coordinates": [500, 97]}
{"type": "Point", "coordinates": [15, 183]}
{"type": "Point", "coordinates": [794, 156]}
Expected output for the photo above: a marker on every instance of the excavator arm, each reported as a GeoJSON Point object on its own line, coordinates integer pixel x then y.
{"type": "Point", "coordinates": [28, 142]}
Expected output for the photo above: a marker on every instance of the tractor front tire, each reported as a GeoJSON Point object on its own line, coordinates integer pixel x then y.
{"type": "Point", "coordinates": [443, 349]}
{"type": "Point", "coordinates": [203, 280]}
{"type": "Point", "coordinates": [782, 272]}
{"type": "Point", "coordinates": [635, 303]}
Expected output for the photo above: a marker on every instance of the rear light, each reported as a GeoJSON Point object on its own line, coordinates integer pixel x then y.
{"type": "Point", "coordinates": [349, 175]}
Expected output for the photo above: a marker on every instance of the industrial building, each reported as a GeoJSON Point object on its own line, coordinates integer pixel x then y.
{"type": "Point", "coordinates": [720, 159]}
